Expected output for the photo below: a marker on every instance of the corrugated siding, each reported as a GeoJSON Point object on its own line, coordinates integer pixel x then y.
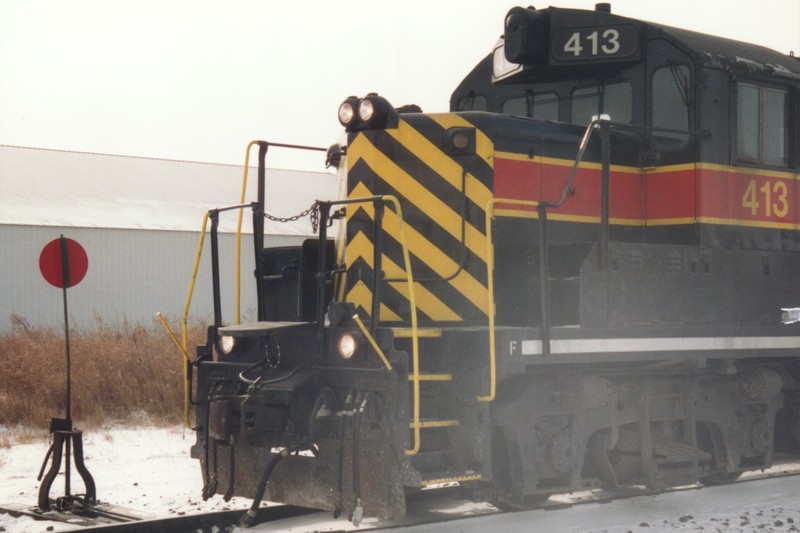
{"type": "Point", "coordinates": [71, 189]}
{"type": "Point", "coordinates": [111, 205]}
{"type": "Point", "coordinates": [132, 275]}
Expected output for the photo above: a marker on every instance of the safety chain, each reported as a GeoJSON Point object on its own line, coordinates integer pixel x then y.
{"type": "Point", "coordinates": [312, 211]}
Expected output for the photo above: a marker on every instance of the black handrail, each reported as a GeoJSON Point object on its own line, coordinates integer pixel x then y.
{"type": "Point", "coordinates": [604, 127]}
{"type": "Point", "coordinates": [541, 209]}
{"type": "Point", "coordinates": [258, 218]}
{"type": "Point", "coordinates": [213, 214]}
{"type": "Point", "coordinates": [322, 267]}
{"type": "Point", "coordinates": [258, 226]}
{"type": "Point", "coordinates": [377, 256]}
{"type": "Point", "coordinates": [377, 267]}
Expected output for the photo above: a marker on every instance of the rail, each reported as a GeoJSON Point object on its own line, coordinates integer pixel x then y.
{"type": "Point", "coordinates": [112, 518]}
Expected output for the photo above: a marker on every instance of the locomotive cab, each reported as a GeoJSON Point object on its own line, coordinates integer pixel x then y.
{"type": "Point", "coordinates": [702, 154]}
{"type": "Point", "coordinates": [572, 279]}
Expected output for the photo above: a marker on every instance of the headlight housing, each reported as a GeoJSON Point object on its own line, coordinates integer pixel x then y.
{"type": "Point", "coordinates": [370, 112]}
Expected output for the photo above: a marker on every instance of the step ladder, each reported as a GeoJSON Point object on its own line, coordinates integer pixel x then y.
{"type": "Point", "coordinates": [668, 462]}
{"type": "Point", "coordinates": [436, 459]}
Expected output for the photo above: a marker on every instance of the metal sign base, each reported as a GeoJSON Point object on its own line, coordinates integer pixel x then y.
{"type": "Point", "coordinates": [68, 442]}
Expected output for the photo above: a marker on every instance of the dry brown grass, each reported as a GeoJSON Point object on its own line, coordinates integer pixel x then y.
{"type": "Point", "coordinates": [127, 374]}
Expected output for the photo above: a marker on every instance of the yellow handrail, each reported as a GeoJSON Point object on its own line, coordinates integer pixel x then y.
{"type": "Point", "coordinates": [414, 328]}
{"type": "Point", "coordinates": [193, 280]}
{"type": "Point", "coordinates": [185, 354]}
{"type": "Point", "coordinates": [490, 308]}
{"type": "Point", "coordinates": [413, 303]}
{"type": "Point", "coordinates": [372, 342]}
{"type": "Point", "coordinates": [183, 346]}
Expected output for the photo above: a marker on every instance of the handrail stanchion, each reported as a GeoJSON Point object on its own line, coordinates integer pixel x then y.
{"type": "Point", "coordinates": [185, 354]}
{"type": "Point", "coordinates": [377, 267]}
{"type": "Point", "coordinates": [238, 274]}
{"type": "Point", "coordinates": [490, 307]}
{"type": "Point", "coordinates": [544, 266]}
{"type": "Point", "coordinates": [324, 211]}
{"type": "Point", "coordinates": [544, 278]}
{"type": "Point", "coordinates": [214, 215]}
{"type": "Point", "coordinates": [414, 327]}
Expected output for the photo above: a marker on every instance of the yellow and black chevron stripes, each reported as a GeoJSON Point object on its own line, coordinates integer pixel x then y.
{"type": "Point", "coordinates": [443, 164]}
{"type": "Point", "coordinates": [407, 186]}
{"type": "Point", "coordinates": [442, 198]}
{"type": "Point", "coordinates": [441, 265]}
{"type": "Point", "coordinates": [361, 247]}
{"type": "Point", "coordinates": [484, 147]}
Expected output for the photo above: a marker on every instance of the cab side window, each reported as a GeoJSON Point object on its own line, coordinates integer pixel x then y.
{"type": "Point", "coordinates": [472, 102]}
{"type": "Point", "coordinates": [761, 125]}
{"type": "Point", "coordinates": [613, 99]}
{"type": "Point", "coordinates": [670, 110]}
{"type": "Point", "coordinates": [542, 106]}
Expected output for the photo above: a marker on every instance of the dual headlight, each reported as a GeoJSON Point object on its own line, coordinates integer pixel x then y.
{"type": "Point", "coordinates": [372, 111]}
{"type": "Point", "coordinates": [347, 346]}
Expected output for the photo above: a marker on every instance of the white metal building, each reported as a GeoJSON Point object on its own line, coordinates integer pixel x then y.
{"type": "Point", "coordinates": [139, 220]}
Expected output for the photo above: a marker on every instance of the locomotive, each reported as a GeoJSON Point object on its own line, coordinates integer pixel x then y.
{"type": "Point", "coordinates": [573, 279]}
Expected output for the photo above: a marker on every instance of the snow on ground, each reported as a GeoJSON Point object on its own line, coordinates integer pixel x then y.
{"type": "Point", "coordinates": [150, 470]}
{"type": "Point", "coordinates": [145, 469]}
{"type": "Point", "coordinates": [767, 505]}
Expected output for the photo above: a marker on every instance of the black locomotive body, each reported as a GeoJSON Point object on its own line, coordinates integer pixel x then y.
{"type": "Point", "coordinates": [573, 279]}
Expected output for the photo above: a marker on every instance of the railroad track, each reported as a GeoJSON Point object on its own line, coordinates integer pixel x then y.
{"type": "Point", "coordinates": [119, 520]}
{"type": "Point", "coordinates": [782, 467]}
{"type": "Point", "coordinates": [429, 507]}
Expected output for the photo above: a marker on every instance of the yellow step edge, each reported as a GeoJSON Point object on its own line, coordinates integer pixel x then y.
{"type": "Point", "coordinates": [405, 333]}
{"type": "Point", "coordinates": [454, 479]}
{"type": "Point", "coordinates": [432, 377]}
{"type": "Point", "coordinates": [434, 423]}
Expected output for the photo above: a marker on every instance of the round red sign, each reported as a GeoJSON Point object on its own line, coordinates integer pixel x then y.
{"type": "Point", "coordinates": [51, 262]}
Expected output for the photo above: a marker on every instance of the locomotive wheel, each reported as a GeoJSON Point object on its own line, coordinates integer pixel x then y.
{"type": "Point", "coordinates": [720, 479]}
{"type": "Point", "coordinates": [710, 440]}
{"type": "Point", "coordinates": [506, 460]}
{"type": "Point", "coordinates": [508, 502]}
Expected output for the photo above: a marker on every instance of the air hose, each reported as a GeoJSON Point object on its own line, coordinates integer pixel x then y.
{"type": "Point", "coordinates": [249, 518]}
{"type": "Point", "coordinates": [358, 410]}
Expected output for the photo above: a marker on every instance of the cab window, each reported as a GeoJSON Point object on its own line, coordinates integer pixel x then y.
{"type": "Point", "coordinates": [670, 97]}
{"type": "Point", "coordinates": [761, 125]}
{"type": "Point", "coordinates": [472, 102]}
{"type": "Point", "coordinates": [613, 99]}
{"type": "Point", "coordinates": [542, 106]}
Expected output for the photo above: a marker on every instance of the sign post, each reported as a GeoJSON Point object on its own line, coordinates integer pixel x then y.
{"type": "Point", "coordinates": [63, 263]}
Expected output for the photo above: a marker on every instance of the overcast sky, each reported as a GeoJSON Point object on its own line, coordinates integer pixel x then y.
{"type": "Point", "coordinates": [197, 80]}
